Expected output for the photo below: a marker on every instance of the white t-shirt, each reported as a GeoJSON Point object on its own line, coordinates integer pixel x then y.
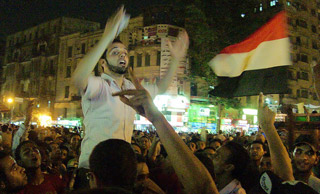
{"type": "Point", "coordinates": [105, 116]}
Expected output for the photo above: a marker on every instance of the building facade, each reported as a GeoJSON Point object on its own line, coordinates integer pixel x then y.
{"type": "Point", "coordinates": [30, 63]}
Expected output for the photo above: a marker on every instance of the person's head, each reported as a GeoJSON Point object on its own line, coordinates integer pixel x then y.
{"type": "Point", "coordinates": [304, 154]}
{"type": "Point", "coordinates": [64, 152]}
{"type": "Point", "coordinates": [113, 163]}
{"type": "Point", "coordinates": [215, 143]}
{"type": "Point", "coordinates": [200, 145]}
{"type": "Point", "coordinates": [257, 150]}
{"type": "Point", "coordinates": [144, 143]}
{"type": "Point", "coordinates": [304, 157]}
{"type": "Point", "coordinates": [265, 163]}
{"type": "Point", "coordinates": [12, 176]}
{"type": "Point", "coordinates": [136, 148]}
{"type": "Point", "coordinates": [142, 169]}
{"type": "Point", "coordinates": [48, 140]}
{"type": "Point", "coordinates": [54, 152]}
{"type": "Point", "coordinates": [75, 140]}
{"type": "Point", "coordinates": [28, 155]}
{"type": "Point", "coordinates": [230, 159]}
{"type": "Point", "coordinates": [209, 152]}
{"type": "Point", "coordinates": [115, 59]}
{"type": "Point", "coordinates": [260, 137]}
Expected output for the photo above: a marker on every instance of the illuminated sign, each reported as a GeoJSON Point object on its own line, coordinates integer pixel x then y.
{"type": "Point", "coordinates": [249, 111]}
{"type": "Point", "coordinates": [204, 112]}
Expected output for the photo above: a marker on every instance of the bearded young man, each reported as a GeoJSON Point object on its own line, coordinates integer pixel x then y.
{"type": "Point", "coordinates": [105, 116]}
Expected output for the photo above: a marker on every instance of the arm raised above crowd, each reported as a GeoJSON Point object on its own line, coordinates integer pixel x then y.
{"type": "Point", "coordinates": [178, 51]}
{"type": "Point", "coordinates": [280, 158]}
{"type": "Point", "coordinates": [90, 60]}
{"type": "Point", "coordinates": [192, 174]}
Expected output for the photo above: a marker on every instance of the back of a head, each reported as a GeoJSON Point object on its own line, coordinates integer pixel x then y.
{"type": "Point", "coordinates": [114, 163]}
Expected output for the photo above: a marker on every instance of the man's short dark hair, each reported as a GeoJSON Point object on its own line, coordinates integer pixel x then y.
{"type": "Point", "coordinates": [17, 152]}
{"type": "Point", "coordinates": [259, 142]}
{"type": "Point", "coordinates": [114, 163]}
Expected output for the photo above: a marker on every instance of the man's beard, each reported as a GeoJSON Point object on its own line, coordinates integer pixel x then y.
{"type": "Point", "coordinates": [118, 70]}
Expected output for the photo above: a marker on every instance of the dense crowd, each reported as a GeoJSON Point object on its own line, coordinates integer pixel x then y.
{"type": "Point", "coordinates": [45, 160]}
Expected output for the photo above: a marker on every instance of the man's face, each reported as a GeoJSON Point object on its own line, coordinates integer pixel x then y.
{"type": "Point", "coordinates": [201, 145]}
{"type": "Point", "coordinates": [64, 154]}
{"type": "Point", "coordinates": [30, 156]}
{"type": "Point", "coordinates": [219, 160]}
{"type": "Point", "coordinates": [304, 158]}
{"type": "Point", "coordinates": [117, 58]}
{"type": "Point", "coordinates": [55, 152]}
{"type": "Point", "coordinates": [15, 174]}
{"type": "Point", "coordinates": [144, 143]}
{"type": "Point", "coordinates": [75, 141]}
{"type": "Point", "coordinates": [256, 151]}
{"type": "Point", "coordinates": [265, 164]}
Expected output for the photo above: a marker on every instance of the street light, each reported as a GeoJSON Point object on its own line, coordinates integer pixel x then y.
{"type": "Point", "coordinates": [10, 101]}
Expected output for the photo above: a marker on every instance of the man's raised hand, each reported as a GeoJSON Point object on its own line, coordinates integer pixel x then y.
{"type": "Point", "coordinates": [140, 101]}
{"type": "Point", "coordinates": [179, 48]}
{"type": "Point", "coordinates": [113, 24]}
{"type": "Point", "coordinates": [266, 117]}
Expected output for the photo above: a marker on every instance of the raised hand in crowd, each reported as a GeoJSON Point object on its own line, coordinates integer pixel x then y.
{"type": "Point", "coordinates": [191, 172]}
{"type": "Point", "coordinates": [281, 161]}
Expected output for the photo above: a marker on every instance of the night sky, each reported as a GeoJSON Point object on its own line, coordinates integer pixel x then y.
{"type": "Point", "coordinates": [17, 15]}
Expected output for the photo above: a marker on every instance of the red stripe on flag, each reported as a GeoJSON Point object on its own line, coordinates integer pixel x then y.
{"type": "Point", "coordinates": [276, 28]}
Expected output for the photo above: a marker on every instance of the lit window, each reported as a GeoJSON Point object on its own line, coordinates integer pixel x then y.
{"type": "Point", "coordinates": [272, 3]}
{"type": "Point", "coordinates": [260, 8]}
{"type": "Point", "coordinates": [242, 15]}
{"type": "Point", "coordinates": [288, 3]}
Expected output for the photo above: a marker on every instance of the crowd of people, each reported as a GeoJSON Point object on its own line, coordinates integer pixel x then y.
{"type": "Point", "coordinates": [111, 157]}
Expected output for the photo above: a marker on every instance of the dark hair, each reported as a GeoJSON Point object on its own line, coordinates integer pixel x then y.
{"type": "Point", "coordinates": [259, 142]}
{"type": "Point", "coordinates": [239, 157]}
{"type": "Point", "coordinates": [114, 163]}
{"type": "Point", "coordinates": [207, 162]}
{"type": "Point", "coordinates": [209, 148]}
{"type": "Point", "coordinates": [17, 152]}
{"type": "Point", "coordinates": [215, 140]}
{"type": "Point", "coordinates": [48, 139]}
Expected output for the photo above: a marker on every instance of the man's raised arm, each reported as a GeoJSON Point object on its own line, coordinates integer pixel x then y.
{"type": "Point", "coordinates": [90, 60]}
{"type": "Point", "coordinates": [178, 51]}
{"type": "Point", "coordinates": [191, 172]}
{"type": "Point", "coordinates": [279, 156]}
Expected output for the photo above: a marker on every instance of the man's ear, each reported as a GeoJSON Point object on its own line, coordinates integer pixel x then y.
{"type": "Point", "coordinates": [229, 168]}
{"type": "Point", "coordinates": [102, 64]}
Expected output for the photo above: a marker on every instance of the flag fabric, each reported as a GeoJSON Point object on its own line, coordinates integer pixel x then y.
{"type": "Point", "coordinates": [257, 64]}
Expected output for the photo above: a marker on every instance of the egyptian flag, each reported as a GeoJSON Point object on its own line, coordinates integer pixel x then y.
{"type": "Point", "coordinates": [257, 64]}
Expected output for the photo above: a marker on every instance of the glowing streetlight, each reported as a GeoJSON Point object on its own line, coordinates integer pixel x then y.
{"type": "Point", "coordinates": [10, 100]}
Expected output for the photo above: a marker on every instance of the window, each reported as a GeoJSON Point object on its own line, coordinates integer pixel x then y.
{"type": "Point", "coordinates": [290, 75]}
{"type": "Point", "coordinates": [314, 45]}
{"type": "Point", "coordinates": [83, 48]}
{"type": "Point", "coordinates": [66, 92]}
{"type": "Point", "coordinates": [147, 60]}
{"type": "Point", "coordinates": [301, 23]}
{"type": "Point", "coordinates": [298, 40]}
{"type": "Point", "coordinates": [139, 60]}
{"type": "Point", "coordinates": [194, 89]}
{"type": "Point", "coordinates": [314, 29]}
{"type": "Point", "coordinates": [298, 93]}
{"type": "Point", "coordinates": [51, 70]}
{"type": "Point", "coordinates": [42, 48]}
{"type": "Point", "coordinates": [315, 96]}
{"type": "Point", "coordinates": [68, 71]}
{"type": "Point", "coordinates": [313, 12]}
{"type": "Point", "coordinates": [304, 93]}
{"type": "Point", "coordinates": [304, 76]}
{"type": "Point", "coordinates": [304, 58]}
{"type": "Point", "coordinates": [158, 58]}
{"type": "Point", "coordinates": [69, 51]}
{"type": "Point", "coordinates": [131, 61]}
